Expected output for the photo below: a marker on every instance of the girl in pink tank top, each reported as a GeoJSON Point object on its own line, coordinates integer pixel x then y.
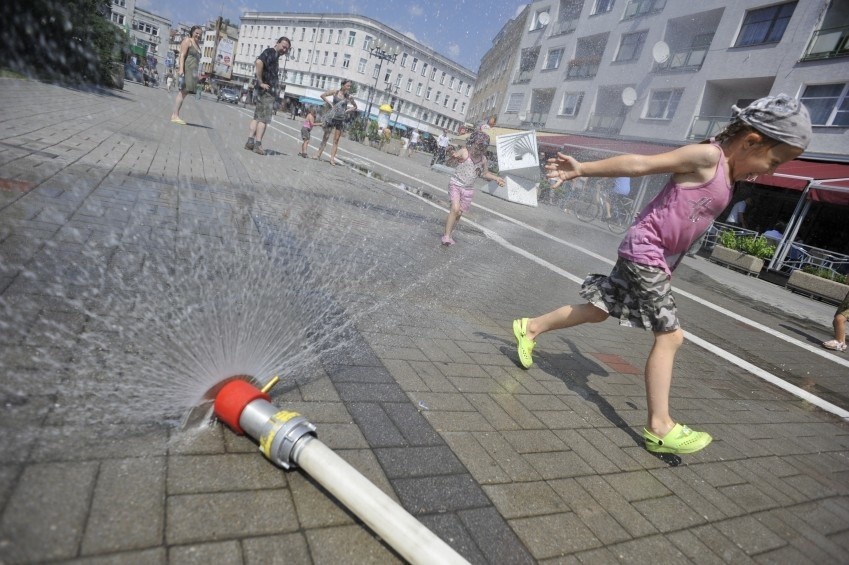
{"type": "Point", "coordinates": [638, 290]}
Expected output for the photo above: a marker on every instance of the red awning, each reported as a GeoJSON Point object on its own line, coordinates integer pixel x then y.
{"type": "Point", "coordinates": [556, 142]}
{"type": "Point", "coordinates": [816, 170]}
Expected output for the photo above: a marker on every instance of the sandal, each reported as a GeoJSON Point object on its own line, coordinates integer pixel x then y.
{"type": "Point", "coordinates": [680, 439]}
{"type": "Point", "coordinates": [835, 345]}
{"type": "Point", "coordinates": [524, 345]}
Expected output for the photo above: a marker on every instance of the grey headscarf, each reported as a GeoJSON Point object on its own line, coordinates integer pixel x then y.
{"type": "Point", "coordinates": [780, 117]}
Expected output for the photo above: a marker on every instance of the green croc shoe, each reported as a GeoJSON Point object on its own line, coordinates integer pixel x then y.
{"type": "Point", "coordinates": [524, 345]}
{"type": "Point", "coordinates": [680, 439]}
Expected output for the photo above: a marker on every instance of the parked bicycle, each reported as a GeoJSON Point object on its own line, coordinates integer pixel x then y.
{"type": "Point", "coordinates": [589, 203]}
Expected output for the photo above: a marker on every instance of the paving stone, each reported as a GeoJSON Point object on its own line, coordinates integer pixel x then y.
{"type": "Point", "coordinates": [189, 474]}
{"type": "Point", "coordinates": [750, 535]}
{"type": "Point", "coordinates": [196, 517]}
{"type": "Point", "coordinates": [276, 550]}
{"type": "Point", "coordinates": [137, 521]}
{"type": "Point", "coordinates": [348, 544]}
{"type": "Point", "coordinates": [201, 554]}
{"type": "Point", "coordinates": [46, 515]}
{"type": "Point", "coordinates": [444, 493]}
{"type": "Point", "coordinates": [516, 500]}
{"type": "Point", "coordinates": [554, 535]}
{"type": "Point", "coordinates": [493, 536]}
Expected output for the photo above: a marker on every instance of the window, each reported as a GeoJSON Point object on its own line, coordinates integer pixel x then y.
{"type": "Point", "coordinates": [398, 81]}
{"type": "Point", "coordinates": [404, 60]}
{"type": "Point", "coordinates": [367, 42]}
{"type": "Point", "coordinates": [765, 25]}
{"type": "Point", "coordinates": [375, 71]}
{"type": "Point", "coordinates": [828, 104]}
{"type": "Point", "coordinates": [352, 37]}
{"type": "Point", "coordinates": [309, 55]}
{"type": "Point", "coordinates": [571, 103]}
{"type": "Point", "coordinates": [552, 61]}
{"type": "Point", "coordinates": [432, 73]}
{"type": "Point", "coordinates": [326, 56]}
{"type": "Point", "coordinates": [424, 69]}
{"type": "Point", "coordinates": [445, 101]}
{"type": "Point", "coordinates": [361, 66]}
{"type": "Point", "coordinates": [631, 45]}
{"type": "Point", "coordinates": [346, 61]}
{"type": "Point", "coordinates": [603, 6]}
{"type": "Point", "coordinates": [118, 18]}
{"type": "Point", "coordinates": [418, 89]}
{"type": "Point", "coordinates": [338, 36]}
{"type": "Point", "coordinates": [442, 79]}
{"type": "Point", "coordinates": [428, 93]}
{"type": "Point", "coordinates": [514, 103]}
{"type": "Point", "coordinates": [387, 76]}
{"type": "Point", "coordinates": [312, 34]}
{"type": "Point", "coordinates": [663, 103]}
{"type": "Point", "coordinates": [321, 35]}
{"type": "Point", "coordinates": [303, 33]}
{"type": "Point", "coordinates": [315, 56]}
{"type": "Point", "coordinates": [454, 105]}
{"type": "Point", "coordinates": [451, 83]}
{"type": "Point", "coordinates": [540, 20]}
{"type": "Point", "coordinates": [438, 94]}
{"type": "Point", "coordinates": [333, 61]}
{"type": "Point", "coordinates": [463, 108]}
{"type": "Point", "coordinates": [414, 64]}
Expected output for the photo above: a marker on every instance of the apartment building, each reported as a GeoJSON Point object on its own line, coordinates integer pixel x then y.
{"type": "Point", "coordinates": [494, 76]}
{"type": "Point", "coordinates": [146, 31]}
{"type": "Point", "coordinates": [669, 71]}
{"type": "Point", "coordinates": [427, 90]}
{"type": "Point", "coordinates": [218, 46]}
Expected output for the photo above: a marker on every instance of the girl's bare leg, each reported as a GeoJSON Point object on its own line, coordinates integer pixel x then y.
{"type": "Point", "coordinates": [453, 217]}
{"type": "Point", "coordinates": [659, 380]}
{"type": "Point", "coordinates": [565, 317]}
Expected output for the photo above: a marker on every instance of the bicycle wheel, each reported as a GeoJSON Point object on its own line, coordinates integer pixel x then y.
{"type": "Point", "coordinates": [587, 208]}
{"type": "Point", "coordinates": [621, 220]}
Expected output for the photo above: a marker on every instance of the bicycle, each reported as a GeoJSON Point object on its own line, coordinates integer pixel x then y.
{"type": "Point", "coordinates": [590, 203]}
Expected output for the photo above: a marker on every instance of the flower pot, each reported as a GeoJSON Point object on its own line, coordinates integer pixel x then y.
{"type": "Point", "coordinates": [817, 287]}
{"type": "Point", "coordinates": [737, 260]}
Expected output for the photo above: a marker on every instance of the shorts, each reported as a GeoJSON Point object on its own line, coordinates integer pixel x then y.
{"type": "Point", "coordinates": [461, 194]}
{"type": "Point", "coordinates": [264, 107]}
{"type": "Point", "coordinates": [335, 124]}
{"type": "Point", "coordinates": [843, 309]}
{"type": "Point", "coordinates": [639, 296]}
{"type": "Point", "coordinates": [305, 134]}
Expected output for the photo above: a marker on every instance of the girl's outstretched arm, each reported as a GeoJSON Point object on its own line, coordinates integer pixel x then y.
{"type": "Point", "coordinates": [695, 162]}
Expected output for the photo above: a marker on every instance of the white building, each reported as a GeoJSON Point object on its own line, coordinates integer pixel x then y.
{"type": "Point", "coordinates": [669, 71]}
{"type": "Point", "coordinates": [148, 32]}
{"type": "Point", "coordinates": [430, 91]}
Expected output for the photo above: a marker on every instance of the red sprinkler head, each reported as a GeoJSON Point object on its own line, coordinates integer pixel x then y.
{"type": "Point", "coordinates": [232, 399]}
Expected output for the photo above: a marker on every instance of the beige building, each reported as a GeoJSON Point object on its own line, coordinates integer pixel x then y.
{"type": "Point", "coordinates": [427, 90]}
{"type": "Point", "coordinates": [148, 32]}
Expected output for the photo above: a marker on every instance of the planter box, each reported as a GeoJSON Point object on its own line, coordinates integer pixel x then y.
{"type": "Point", "coordinates": [737, 260]}
{"type": "Point", "coordinates": [817, 287]}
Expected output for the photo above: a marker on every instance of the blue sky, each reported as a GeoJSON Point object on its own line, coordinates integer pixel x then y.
{"type": "Point", "coordinates": [461, 30]}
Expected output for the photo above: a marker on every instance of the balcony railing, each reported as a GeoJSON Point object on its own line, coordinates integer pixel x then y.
{"type": "Point", "coordinates": [636, 8]}
{"type": "Point", "coordinates": [605, 124]}
{"type": "Point", "coordinates": [828, 43]}
{"type": "Point", "coordinates": [705, 127]}
{"type": "Point", "coordinates": [683, 61]}
{"type": "Point", "coordinates": [564, 27]}
{"type": "Point", "coordinates": [583, 68]}
{"type": "Point", "coordinates": [523, 77]}
{"type": "Point", "coordinates": [535, 119]}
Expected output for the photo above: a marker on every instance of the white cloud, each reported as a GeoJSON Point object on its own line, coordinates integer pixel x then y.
{"type": "Point", "coordinates": [411, 35]}
{"type": "Point", "coordinates": [416, 10]}
{"type": "Point", "coordinates": [453, 50]}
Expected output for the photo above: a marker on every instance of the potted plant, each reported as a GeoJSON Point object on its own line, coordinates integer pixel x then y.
{"type": "Point", "coordinates": [745, 253]}
{"type": "Point", "coordinates": [819, 282]}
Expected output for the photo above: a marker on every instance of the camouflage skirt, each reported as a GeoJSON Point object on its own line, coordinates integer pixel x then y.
{"type": "Point", "coordinates": [639, 296]}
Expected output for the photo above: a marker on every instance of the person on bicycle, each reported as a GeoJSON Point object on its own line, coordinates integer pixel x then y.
{"type": "Point", "coordinates": [620, 190]}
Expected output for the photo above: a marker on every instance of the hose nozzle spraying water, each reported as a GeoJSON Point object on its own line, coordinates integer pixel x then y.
{"type": "Point", "coordinates": [288, 440]}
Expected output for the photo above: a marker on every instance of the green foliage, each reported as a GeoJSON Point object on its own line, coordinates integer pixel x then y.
{"type": "Point", "coordinates": [825, 273]}
{"type": "Point", "coordinates": [759, 246]}
{"type": "Point", "coordinates": [356, 132]}
{"type": "Point", "coordinates": [373, 133]}
{"type": "Point", "coordinates": [69, 41]}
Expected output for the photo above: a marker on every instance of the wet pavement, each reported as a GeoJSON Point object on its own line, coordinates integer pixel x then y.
{"type": "Point", "coordinates": [127, 241]}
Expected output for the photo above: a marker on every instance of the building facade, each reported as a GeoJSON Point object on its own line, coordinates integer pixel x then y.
{"type": "Point", "coordinates": [670, 71]}
{"type": "Point", "coordinates": [149, 33]}
{"type": "Point", "coordinates": [494, 76]}
{"type": "Point", "coordinates": [426, 90]}
{"type": "Point", "coordinates": [218, 47]}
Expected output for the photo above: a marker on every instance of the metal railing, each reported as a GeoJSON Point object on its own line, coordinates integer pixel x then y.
{"type": "Point", "coordinates": [636, 8]}
{"type": "Point", "coordinates": [564, 27]}
{"type": "Point", "coordinates": [606, 124]}
{"type": "Point", "coordinates": [523, 76]}
{"type": "Point", "coordinates": [690, 60]}
{"type": "Point", "coordinates": [705, 127]}
{"type": "Point", "coordinates": [828, 43]}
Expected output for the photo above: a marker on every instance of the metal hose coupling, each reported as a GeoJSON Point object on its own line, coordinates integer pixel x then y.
{"type": "Point", "coordinates": [247, 410]}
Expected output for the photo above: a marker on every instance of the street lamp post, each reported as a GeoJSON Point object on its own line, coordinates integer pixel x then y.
{"type": "Point", "coordinates": [393, 91]}
{"type": "Point", "coordinates": [383, 52]}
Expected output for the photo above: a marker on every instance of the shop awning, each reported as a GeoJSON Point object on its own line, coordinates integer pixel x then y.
{"type": "Point", "coordinates": [138, 50]}
{"type": "Point", "coordinates": [310, 100]}
{"type": "Point", "coordinates": [552, 142]}
{"type": "Point", "coordinates": [797, 173]}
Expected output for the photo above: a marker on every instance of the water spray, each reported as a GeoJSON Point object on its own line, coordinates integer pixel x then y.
{"type": "Point", "coordinates": [289, 440]}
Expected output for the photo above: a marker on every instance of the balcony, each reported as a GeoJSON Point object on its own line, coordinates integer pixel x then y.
{"type": "Point", "coordinates": [828, 43]}
{"type": "Point", "coordinates": [637, 8]}
{"type": "Point", "coordinates": [534, 119]}
{"type": "Point", "coordinates": [523, 77]}
{"type": "Point", "coordinates": [705, 127]}
{"type": "Point", "coordinates": [688, 61]}
{"type": "Point", "coordinates": [605, 124]}
{"type": "Point", "coordinates": [583, 68]}
{"type": "Point", "coordinates": [564, 27]}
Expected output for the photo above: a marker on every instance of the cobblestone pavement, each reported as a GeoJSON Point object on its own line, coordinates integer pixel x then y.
{"type": "Point", "coordinates": [142, 262]}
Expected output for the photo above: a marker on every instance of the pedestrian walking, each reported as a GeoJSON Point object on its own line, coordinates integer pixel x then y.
{"type": "Point", "coordinates": [341, 105]}
{"type": "Point", "coordinates": [471, 163]}
{"type": "Point", "coordinates": [839, 324]}
{"type": "Point", "coordinates": [169, 81]}
{"type": "Point", "coordinates": [414, 142]}
{"type": "Point", "coordinates": [306, 129]}
{"type": "Point", "coordinates": [767, 133]}
{"type": "Point", "coordinates": [441, 147]}
{"type": "Point", "coordinates": [188, 75]}
{"type": "Point", "coordinates": [265, 68]}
